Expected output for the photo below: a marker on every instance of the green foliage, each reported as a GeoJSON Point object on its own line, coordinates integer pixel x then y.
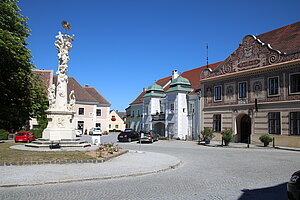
{"type": "Point", "coordinates": [15, 63]}
{"type": "Point", "coordinates": [20, 93]}
{"type": "Point", "coordinates": [3, 134]}
{"type": "Point", "coordinates": [207, 134]}
{"type": "Point", "coordinates": [38, 133]}
{"type": "Point", "coordinates": [265, 138]}
{"type": "Point", "coordinates": [39, 100]}
{"type": "Point", "coordinates": [227, 136]}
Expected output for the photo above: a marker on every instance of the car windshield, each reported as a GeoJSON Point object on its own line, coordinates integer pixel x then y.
{"type": "Point", "coordinates": [127, 130]}
{"type": "Point", "coordinates": [21, 133]}
{"type": "Point", "coordinates": [97, 129]}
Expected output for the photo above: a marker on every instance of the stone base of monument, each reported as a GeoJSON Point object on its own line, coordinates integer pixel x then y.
{"type": "Point", "coordinates": [45, 143]}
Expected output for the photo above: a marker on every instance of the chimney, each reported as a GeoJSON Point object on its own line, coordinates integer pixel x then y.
{"type": "Point", "coordinates": [144, 89]}
{"type": "Point", "coordinates": [174, 74]}
{"type": "Point", "coordinates": [86, 85]}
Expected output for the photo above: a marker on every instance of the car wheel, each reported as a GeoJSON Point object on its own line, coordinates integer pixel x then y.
{"type": "Point", "coordinates": [129, 139]}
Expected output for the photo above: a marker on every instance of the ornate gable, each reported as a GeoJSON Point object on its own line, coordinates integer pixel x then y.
{"type": "Point", "coordinates": [251, 53]}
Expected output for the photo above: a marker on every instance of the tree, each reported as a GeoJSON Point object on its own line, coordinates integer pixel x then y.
{"type": "Point", "coordinates": [39, 100]}
{"type": "Point", "coordinates": [17, 90]}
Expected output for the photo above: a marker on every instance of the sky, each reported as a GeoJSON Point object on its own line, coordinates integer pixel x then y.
{"type": "Point", "coordinates": [123, 46]}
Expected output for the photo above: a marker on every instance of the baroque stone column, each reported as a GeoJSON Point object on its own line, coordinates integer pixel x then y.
{"type": "Point", "coordinates": [60, 114]}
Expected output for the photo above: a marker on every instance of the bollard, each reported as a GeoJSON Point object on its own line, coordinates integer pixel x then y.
{"type": "Point", "coordinates": [273, 142]}
{"type": "Point", "coordinates": [248, 142]}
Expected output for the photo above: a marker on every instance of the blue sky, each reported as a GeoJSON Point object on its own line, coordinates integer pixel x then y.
{"type": "Point", "coordinates": [122, 46]}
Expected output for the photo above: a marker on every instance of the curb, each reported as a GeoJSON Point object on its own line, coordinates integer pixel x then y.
{"type": "Point", "coordinates": [60, 161]}
{"type": "Point", "coordinates": [97, 179]}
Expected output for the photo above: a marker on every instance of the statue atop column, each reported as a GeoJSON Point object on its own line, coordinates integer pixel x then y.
{"type": "Point", "coordinates": [63, 45]}
{"type": "Point", "coordinates": [60, 112]}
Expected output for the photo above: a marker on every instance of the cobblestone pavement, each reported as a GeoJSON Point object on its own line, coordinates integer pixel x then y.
{"type": "Point", "coordinates": [207, 173]}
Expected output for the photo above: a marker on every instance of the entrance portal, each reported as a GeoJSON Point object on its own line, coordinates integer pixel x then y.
{"type": "Point", "coordinates": [160, 129]}
{"type": "Point", "coordinates": [245, 130]}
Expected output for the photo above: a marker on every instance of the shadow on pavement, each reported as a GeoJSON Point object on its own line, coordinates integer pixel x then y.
{"type": "Point", "coordinates": [277, 192]}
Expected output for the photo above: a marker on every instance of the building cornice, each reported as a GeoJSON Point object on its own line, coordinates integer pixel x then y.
{"type": "Point", "coordinates": [252, 71]}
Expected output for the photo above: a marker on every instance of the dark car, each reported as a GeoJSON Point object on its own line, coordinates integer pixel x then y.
{"type": "Point", "coordinates": [128, 136]}
{"type": "Point", "coordinates": [24, 136]}
{"type": "Point", "coordinates": [149, 136]}
{"type": "Point", "coordinates": [293, 186]}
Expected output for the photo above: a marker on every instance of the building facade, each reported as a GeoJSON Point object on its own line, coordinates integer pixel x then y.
{"type": "Point", "coordinates": [171, 106]}
{"type": "Point", "coordinates": [256, 90]}
{"type": "Point", "coordinates": [116, 123]}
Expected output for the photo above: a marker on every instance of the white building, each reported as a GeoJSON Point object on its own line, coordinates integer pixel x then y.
{"type": "Point", "coordinates": [171, 106]}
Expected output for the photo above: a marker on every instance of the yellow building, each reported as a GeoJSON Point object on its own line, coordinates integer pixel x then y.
{"type": "Point", "coordinates": [116, 123]}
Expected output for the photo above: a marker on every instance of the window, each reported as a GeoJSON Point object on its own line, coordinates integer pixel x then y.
{"type": "Point", "coordinates": [98, 125]}
{"type": "Point", "coordinates": [273, 85]}
{"type": "Point", "coordinates": [138, 112]}
{"type": "Point", "coordinates": [146, 110]}
{"type": "Point", "coordinates": [243, 90]}
{"type": "Point", "coordinates": [295, 83]}
{"type": "Point", "coordinates": [217, 123]}
{"type": "Point", "coordinates": [191, 110]}
{"type": "Point", "coordinates": [133, 113]}
{"type": "Point", "coordinates": [218, 93]}
{"type": "Point", "coordinates": [274, 122]}
{"type": "Point", "coordinates": [116, 126]}
{"type": "Point", "coordinates": [81, 111]}
{"type": "Point", "coordinates": [98, 112]}
{"type": "Point", "coordinates": [110, 126]}
{"type": "Point", "coordinates": [80, 125]}
{"type": "Point", "coordinates": [295, 123]}
{"type": "Point", "coordinates": [172, 106]}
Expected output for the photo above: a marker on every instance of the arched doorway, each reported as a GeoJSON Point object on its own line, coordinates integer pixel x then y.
{"type": "Point", "coordinates": [245, 128]}
{"type": "Point", "coordinates": [160, 129]}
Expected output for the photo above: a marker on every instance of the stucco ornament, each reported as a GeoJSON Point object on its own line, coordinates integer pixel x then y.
{"type": "Point", "coordinates": [72, 100]}
{"type": "Point", "coordinates": [51, 96]}
{"type": "Point", "coordinates": [63, 45]}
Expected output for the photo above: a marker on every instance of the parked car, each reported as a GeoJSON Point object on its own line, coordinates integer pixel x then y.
{"type": "Point", "coordinates": [24, 136]}
{"type": "Point", "coordinates": [128, 130]}
{"type": "Point", "coordinates": [293, 186]}
{"type": "Point", "coordinates": [78, 133]}
{"type": "Point", "coordinates": [149, 136]}
{"type": "Point", "coordinates": [128, 136]}
{"type": "Point", "coordinates": [95, 131]}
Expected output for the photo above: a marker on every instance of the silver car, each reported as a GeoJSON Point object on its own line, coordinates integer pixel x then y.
{"type": "Point", "coordinates": [95, 131]}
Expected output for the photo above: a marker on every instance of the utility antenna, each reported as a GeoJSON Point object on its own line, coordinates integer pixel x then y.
{"type": "Point", "coordinates": [207, 55]}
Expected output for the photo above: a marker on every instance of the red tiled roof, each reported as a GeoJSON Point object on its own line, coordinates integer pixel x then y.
{"type": "Point", "coordinates": [94, 93]}
{"type": "Point", "coordinates": [80, 93]}
{"type": "Point", "coordinates": [162, 82]}
{"type": "Point", "coordinates": [193, 76]}
{"type": "Point", "coordinates": [285, 39]}
{"type": "Point", "coordinates": [83, 94]}
{"type": "Point", "coordinates": [138, 100]}
{"type": "Point", "coordinates": [45, 75]}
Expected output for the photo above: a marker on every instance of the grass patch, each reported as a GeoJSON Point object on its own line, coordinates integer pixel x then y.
{"type": "Point", "coordinates": [13, 155]}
